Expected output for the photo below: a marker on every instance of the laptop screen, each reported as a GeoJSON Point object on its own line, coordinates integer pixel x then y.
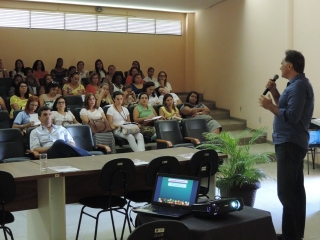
{"type": "Point", "coordinates": [176, 190]}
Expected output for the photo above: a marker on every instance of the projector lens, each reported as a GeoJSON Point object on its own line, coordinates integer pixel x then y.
{"type": "Point", "coordinates": [235, 204]}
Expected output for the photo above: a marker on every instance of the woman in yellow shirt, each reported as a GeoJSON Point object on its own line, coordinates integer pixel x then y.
{"type": "Point", "coordinates": [19, 100]}
{"type": "Point", "coordinates": [169, 111]}
{"type": "Point", "coordinates": [73, 87]}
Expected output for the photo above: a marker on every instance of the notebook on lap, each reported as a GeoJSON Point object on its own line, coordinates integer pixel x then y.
{"type": "Point", "coordinates": [173, 196]}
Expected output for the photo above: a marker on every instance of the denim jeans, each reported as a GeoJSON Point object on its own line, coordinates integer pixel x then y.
{"type": "Point", "coordinates": [291, 192]}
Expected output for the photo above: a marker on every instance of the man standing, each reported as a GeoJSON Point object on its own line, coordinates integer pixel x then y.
{"type": "Point", "coordinates": [54, 140]}
{"type": "Point", "coordinates": [293, 112]}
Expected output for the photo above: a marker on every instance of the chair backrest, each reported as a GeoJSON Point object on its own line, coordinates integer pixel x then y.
{"type": "Point", "coordinates": [117, 174]}
{"type": "Point", "coordinates": [7, 187]}
{"type": "Point", "coordinates": [11, 143]}
{"type": "Point", "coordinates": [7, 101]}
{"type": "Point", "coordinates": [3, 91]}
{"type": "Point", "coordinates": [76, 113]}
{"type": "Point", "coordinates": [161, 229]}
{"type": "Point", "coordinates": [157, 108]}
{"type": "Point", "coordinates": [15, 113]}
{"type": "Point", "coordinates": [105, 109]}
{"type": "Point", "coordinates": [6, 82]}
{"type": "Point", "coordinates": [164, 164]}
{"type": "Point", "coordinates": [204, 163]}
{"type": "Point", "coordinates": [5, 121]}
{"type": "Point", "coordinates": [194, 128]}
{"type": "Point", "coordinates": [130, 109]}
{"type": "Point", "coordinates": [169, 130]}
{"type": "Point", "coordinates": [29, 130]}
{"type": "Point", "coordinates": [82, 136]}
{"type": "Point", "coordinates": [74, 102]}
{"type": "Point", "coordinates": [85, 81]}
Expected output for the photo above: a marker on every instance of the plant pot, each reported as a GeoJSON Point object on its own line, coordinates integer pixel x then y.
{"type": "Point", "coordinates": [247, 192]}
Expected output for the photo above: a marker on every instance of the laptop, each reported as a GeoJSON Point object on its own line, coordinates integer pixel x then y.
{"type": "Point", "coordinates": [173, 196]}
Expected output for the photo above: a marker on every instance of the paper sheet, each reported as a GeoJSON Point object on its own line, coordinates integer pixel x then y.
{"type": "Point", "coordinates": [34, 117]}
{"type": "Point", "coordinates": [64, 169]}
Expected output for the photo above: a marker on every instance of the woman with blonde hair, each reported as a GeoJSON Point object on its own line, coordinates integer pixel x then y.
{"type": "Point", "coordinates": [103, 95]}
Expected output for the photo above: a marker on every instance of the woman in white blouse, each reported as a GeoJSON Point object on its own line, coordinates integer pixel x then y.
{"type": "Point", "coordinates": [149, 88]}
{"type": "Point", "coordinates": [117, 115]}
{"type": "Point", "coordinates": [60, 113]}
{"type": "Point", "coordinates": [92, 111]}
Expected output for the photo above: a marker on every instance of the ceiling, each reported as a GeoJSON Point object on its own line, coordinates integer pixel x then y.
{"type": "Point", "coordinates": [184, 6]}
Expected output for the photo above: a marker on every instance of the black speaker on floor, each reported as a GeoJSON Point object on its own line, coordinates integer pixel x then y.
{"type": "Point", "coordinates": [217, 207]}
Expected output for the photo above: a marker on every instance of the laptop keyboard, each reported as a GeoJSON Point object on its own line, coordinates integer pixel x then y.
{"type": "Point", "coordinates": [166, 210]}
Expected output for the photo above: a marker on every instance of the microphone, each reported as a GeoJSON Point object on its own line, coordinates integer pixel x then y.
{"type": "Point", "coordinates": [275, 77]}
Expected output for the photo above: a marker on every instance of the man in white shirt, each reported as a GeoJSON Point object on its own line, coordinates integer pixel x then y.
{"type": "Point", "coordinates": [150, 77]}
{"type": "Point", "coordinates": [54, 140]}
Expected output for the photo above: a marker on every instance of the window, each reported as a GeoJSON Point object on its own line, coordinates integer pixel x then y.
{"type": "Point", "coordinates": [141, 25]}
{"type": "Point", "coordinates": [87, 22]}
{"type": "Point", "coordinates": [47, 20]}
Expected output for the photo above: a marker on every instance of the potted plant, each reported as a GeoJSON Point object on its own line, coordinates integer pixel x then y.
{"type": "Point", "coordinates": [238, 176]}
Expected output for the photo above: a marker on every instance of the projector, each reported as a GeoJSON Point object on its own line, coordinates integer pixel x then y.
{"type": "Point", "coordinates": [217, 207]}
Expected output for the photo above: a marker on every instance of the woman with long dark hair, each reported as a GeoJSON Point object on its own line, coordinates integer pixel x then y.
{"type": "Point", "coordinates": [169, 111]}
{"type": "Point", "coordinates": [18, 68]}
{"type": "Point", "coordinates": [163, 82]}
{"type": "Point", "coordinates": [59, 72]}
{"type": "Point", "coordinates": [60, 112]}
{"type": "Point", "coordinates": [21, 95]}
{"type": "Point", "coordinates": [51, 94]}
{"type": "Point", "coordinates": [39, 69]}
{"type": "Point", "coordinates": [193, 109]}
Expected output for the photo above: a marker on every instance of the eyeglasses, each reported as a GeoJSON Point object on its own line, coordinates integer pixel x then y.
{"type": "Point", "coordinates": [61, 102]}
{"type": "Point", "coordinates": [23, 86]}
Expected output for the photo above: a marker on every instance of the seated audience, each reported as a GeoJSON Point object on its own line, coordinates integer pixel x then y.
{"type": "Point", "coordinates": [2, 104]}
{"type": "Point", "coordinates": [149, 88]}
{"type": "Point", "coordinates": [150, 77]}
{"type": "Point", "coordinates": [50, 96]}
{"type": "Point", "coordinates": [16, 79]}
{"type": "Point", "coordinates": [103, 97]}
{"type": "Point", "coordinates": [59, 72]}
{"type": "Point", "coordinates": [117, 81]}
{"type": "Point", "coordinates": [192, 108]}
{"type": "Point", "coordinates": [18, 68]}
{"type": "Point", "coordinates": [73, 87]}
{"type": "Point", "coordinates": [32, 82]}
{"type": "Point", "coordinates": [162, 81]}
{"type": "Point", "coordinates": [129, 97]}
{"type": "Point", "coordinates": [137, 84]}
{"type": "Point", "coordinates": [80, 69]}
{"type": "Point", "coordinates": [118, 115]}
{"type": "Point", "coordinates": [109, 76]}
{"type": "Point", "coordinates": [3, 71]}
{"type": "Point", "coordinates": [60, 113]}
{"type": "Point", "coordinates": [93, 85]}
{"type": "Point", "coordinates": [19, 100]}
{"type": "Point", "coordinates": [143, 111]}
{"type": "Point", "coordinates": [22, 120]}
{"type": "Point", "coordinates": [54, 140]}
{"type": "Point", "coordinates": [136, 64]}
{"type": "Point", "coordinates": [92, 111]}
{"type": "Point", "coordinates": [133, 71]}
{"type": "Point", "coordinates": [39, 70]}
{"type": "Point", "coordinates": [99, 69]}
{"type": "Point", "coordinates": [71, 70]}
{"type": "Point", "coordinates": [47, 79]}
{"type": "Point", "coordinates": [169, 111]}
{"type": "Point", "coordinates": [161, 91]}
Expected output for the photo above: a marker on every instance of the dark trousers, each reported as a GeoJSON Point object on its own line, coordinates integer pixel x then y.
{"type": "Point", "coordinates": [291, 192]}
{"type": "Point", "coordinates": [61, 149]}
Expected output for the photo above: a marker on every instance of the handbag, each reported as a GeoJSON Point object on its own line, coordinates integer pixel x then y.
{"type": "Point", "coordinates": [148, 130]}
{"type": "Point", "coordinates": [99, 125]}
{"type": "Point", "coordinates": [129, 129]}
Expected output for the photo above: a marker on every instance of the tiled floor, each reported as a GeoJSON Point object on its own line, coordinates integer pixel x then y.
{"type": "Point", "coordinates": [266, 199]}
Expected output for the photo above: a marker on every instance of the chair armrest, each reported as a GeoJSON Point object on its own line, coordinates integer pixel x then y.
{"type": "Point", "coordinates": [195, 141]}
{"type": "Point", "coordinates": [34, 154]}
{"type": "Point", "coordinates": [104, 148]}
{"type": "Point", "coordinates": [167, 143]}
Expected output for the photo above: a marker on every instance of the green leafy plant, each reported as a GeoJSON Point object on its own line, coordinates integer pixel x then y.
{"type": "Point", "coordinates": [241, 166]}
